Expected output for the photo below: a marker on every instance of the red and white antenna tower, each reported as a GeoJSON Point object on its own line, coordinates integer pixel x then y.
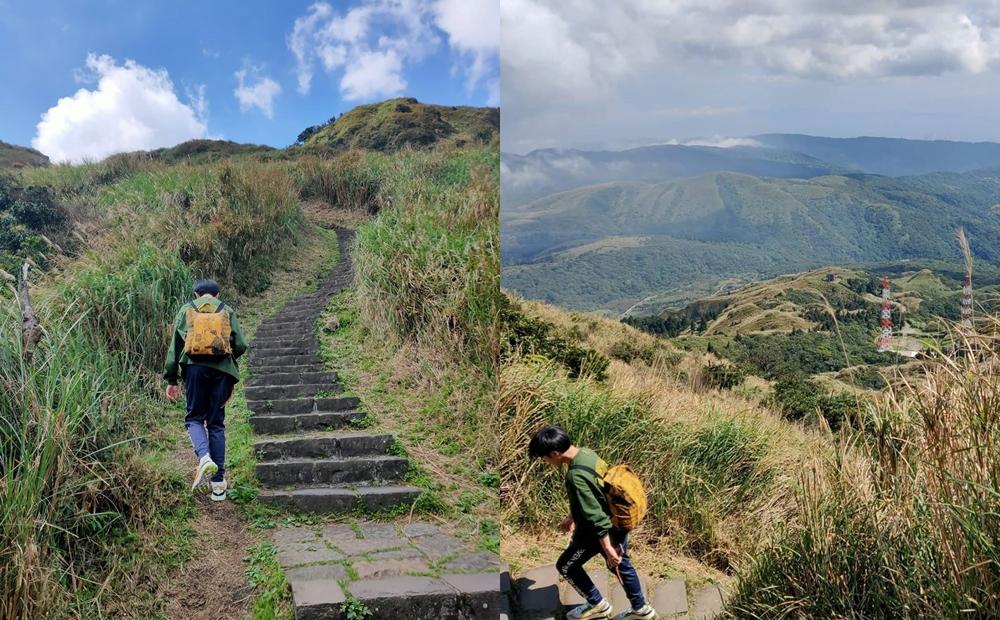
{"type": "Point", "coordinates": [885, 338]}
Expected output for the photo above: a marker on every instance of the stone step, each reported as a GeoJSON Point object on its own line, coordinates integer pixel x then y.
{"type": "Point", "coordinates": [303, 422]}
{"type": "Point", "coordinates": [292, 378]}
{"type": "Point", "coordinates": [541, 593]}
{"type": "Point", "coordinates": [340, 500]}
{"type": "Point", "coordinates": [299, 314]}
{"type": "Point", "coordinates": [322, 445]}
{"type": "Point", "coordinates": [271, 343]}
{"type": "Point", "coordinates": [287, 330]}
{"type": "Point", "coordinates": [266, 371]}
{"type": "Point", "coordinates": [303, 348]}
{"type": "Point", "coordinates": [284, 360]}
{"type": "Point", "coordinates": [368, 469]}
{"type": "Point", "coordinates": [276, 392]}
{"type": "Point", "coordinates": [302, 405]}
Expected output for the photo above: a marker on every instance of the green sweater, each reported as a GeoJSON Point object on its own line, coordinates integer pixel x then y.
{"type": "Point", "coordinates": [587, 504]}
{"type": "Point", "coordinates": [177, 358]}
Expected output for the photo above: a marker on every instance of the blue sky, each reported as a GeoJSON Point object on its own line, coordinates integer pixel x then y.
{"type": "Point", "coordinates": [299, 63]}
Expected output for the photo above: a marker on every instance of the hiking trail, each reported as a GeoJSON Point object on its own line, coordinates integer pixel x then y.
{"type": "Point", "coordinates": [541, 594]}
{"type": "Point", "coordinates": [312, 461]}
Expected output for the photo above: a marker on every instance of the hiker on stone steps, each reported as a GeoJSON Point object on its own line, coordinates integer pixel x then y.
{"type": "Point", "coordinates": [590, 522]}
{"type": "Point", "coordinates": [206, 343]}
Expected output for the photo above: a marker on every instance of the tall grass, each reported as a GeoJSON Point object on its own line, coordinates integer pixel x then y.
{"type": "Point", "coordinates": [427, 266]}
{"type": "Point", "coordinates": [70, 481]}
{"type": "Point", "coordinates": [354, 181]}
{"type": "Point", "coordinates": [905, 521]}
{"type": "Point", "coordinates": [75, 490]}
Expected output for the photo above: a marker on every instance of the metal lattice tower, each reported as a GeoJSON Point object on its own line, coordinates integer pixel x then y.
{"type": "Point", "coordinates": [885, 338]}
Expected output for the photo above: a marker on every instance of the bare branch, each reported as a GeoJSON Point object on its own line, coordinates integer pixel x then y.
{"type": "Point", "coordinates": [30, 328]}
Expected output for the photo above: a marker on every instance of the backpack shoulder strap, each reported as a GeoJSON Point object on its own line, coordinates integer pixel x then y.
{"type": "Point", "coordinates": [589, 470]}
{"type": "Point", "coordinates": [221, 307]}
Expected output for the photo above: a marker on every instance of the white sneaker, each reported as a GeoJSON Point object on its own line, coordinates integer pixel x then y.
{"type": "Point", "coordinates": [646, 613]}
{"type": "Point", "coordinates": [600, 611]}
{"type": "Point", "coordinates": [205, 467]}
{"type": "Point", "coordinates": [219, 492]}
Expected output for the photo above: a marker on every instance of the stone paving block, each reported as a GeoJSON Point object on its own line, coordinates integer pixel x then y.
{"type": "Point", "coordinates": [389, 568]}
{"type": "Point", "coordinates": [404, 553]}
{"type": "Point", "coordinates": [415, 530]}
{"type": "Point", "coordinates": [439, 546]}
{"type": "Point", "coordinates": [538, 590]}
{"type": "Point", "coordinates": [423, 598]}
{"type": "Point", "coordinates": [296, 554]}
{"type": "Point", "coordinates": [670, 598]}
{"type": "Point", "coordinates": [618, 598]}
{"type": "Point", "coordinates": [479, 561]}
{"type": "Point", "coordinates": [480, 594]}
{"type": "Point", "coordinates": [707, 603]}
{"type": "Point", "coordinates": [346, 540]}
{"type": "Point", "coordinates": [385, 531]}
{"type": "Point", "coordinates": [598, 574]}
{"type": "Point", "coordinates": [293, 535]}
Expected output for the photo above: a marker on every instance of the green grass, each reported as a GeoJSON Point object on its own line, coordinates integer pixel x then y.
{"type": "Point", "coordinates": [271, 590]}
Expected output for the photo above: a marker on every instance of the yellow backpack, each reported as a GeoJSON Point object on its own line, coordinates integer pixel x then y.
{"type": "Point", "coordinates": [626, 497]}
{"type": "Point", "coordinates": [208, 331]}
{"type": "Point", "coordinates": [623, 490]}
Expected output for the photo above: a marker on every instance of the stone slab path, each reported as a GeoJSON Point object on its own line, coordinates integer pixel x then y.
{"type": "Point", "coordinates": [413, 571]}
{"type": "Point", "coordinates": [541, 594]}
{"type": "Point", "coordinates": [311, 460]}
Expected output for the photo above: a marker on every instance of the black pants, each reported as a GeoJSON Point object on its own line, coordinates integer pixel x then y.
{"type": "Point", "coordinates": [206, 391]}
{"type": "Point", "coordinates": [570, 566]}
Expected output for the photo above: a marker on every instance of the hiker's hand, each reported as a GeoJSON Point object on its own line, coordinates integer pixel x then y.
{"type": "Point", "coordinates": [567, 525]}
{"type": "Point", "coordinates": [613, 557]}
{"type": "Point", "coordinates": [173, 392]}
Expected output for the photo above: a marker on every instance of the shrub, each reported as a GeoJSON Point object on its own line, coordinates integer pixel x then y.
{"type": "Point", "coordinates": [723, 376]}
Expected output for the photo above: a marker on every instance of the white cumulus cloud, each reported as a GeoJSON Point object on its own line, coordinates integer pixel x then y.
{"type": "Point", "coordinates": [374, 42]}
{"type": "Point", "coordinates": [256, 91]}
{"type": "Point", "coordinates": [131, 108]}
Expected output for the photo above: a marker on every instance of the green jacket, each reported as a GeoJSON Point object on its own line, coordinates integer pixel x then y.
{"type": "Point", "coordinates": [176, 358]}
{"type": "Point", "coordinates": [587, 504]}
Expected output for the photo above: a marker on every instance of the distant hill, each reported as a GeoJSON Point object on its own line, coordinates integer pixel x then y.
{"type": "Point", "coordinates": [13, 156]}
{"type": "Point", "coordinates": [890, 156]}
{"type": "Point", "coordinates": [612, 246]}
{"type": "Point", "coordinates": [528, 177]}
{"type": "Point", "coordinates": [397, 123]}
{"type": "Point", "coordinates": [203, 151]}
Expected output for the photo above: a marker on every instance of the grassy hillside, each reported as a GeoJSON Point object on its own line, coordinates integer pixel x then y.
{"type": "Point", "coordinates": [709, 230]}
{"type": "Point", "coordinates": [13, 157]}
{"type": "Point", "coordinates": [397, 123]}
{"type": "Point", "coordinates": [741, 492]}
{"type": "Point", "coordinates": [90, 488]}
{"type": "Point", "coordinates": [205, 151]}
{"type": "Point", "coordinates": [890, 156]}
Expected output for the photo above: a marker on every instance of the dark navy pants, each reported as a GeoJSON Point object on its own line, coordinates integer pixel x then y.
{"type": "Point", "coordinates": [570, 566]}
{"type": "Point", "coordinates": [206, 391]}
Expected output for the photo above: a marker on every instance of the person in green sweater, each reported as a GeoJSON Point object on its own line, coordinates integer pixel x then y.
{"type": "Point", "coordinates": [209, 381]}
{"type": "Point", "coordinates": [593, 532]}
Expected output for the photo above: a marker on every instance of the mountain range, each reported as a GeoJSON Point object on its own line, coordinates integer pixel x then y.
{"type": "Point", "coordinates": [661, 243]}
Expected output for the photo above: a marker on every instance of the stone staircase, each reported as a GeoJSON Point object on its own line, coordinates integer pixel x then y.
{"type": "Point", "coordinates": [541, 594]}
{"type": "Point", "coordinates": [310, 458]}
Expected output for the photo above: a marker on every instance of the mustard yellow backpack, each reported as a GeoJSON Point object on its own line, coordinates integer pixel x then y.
{"type": "Point", "coordinates": [208, 331]}
{"type": "Point", "coordinates": [626, 497]}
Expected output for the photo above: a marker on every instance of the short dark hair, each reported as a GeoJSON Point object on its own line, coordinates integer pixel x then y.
{"type": "Point", "coordinates": [206, 287]}
{"type": "Point", "coordinates": [548, 440]}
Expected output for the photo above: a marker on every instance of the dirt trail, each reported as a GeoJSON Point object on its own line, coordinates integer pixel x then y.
{"type": "Point", "coordinates": [213, 584]}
